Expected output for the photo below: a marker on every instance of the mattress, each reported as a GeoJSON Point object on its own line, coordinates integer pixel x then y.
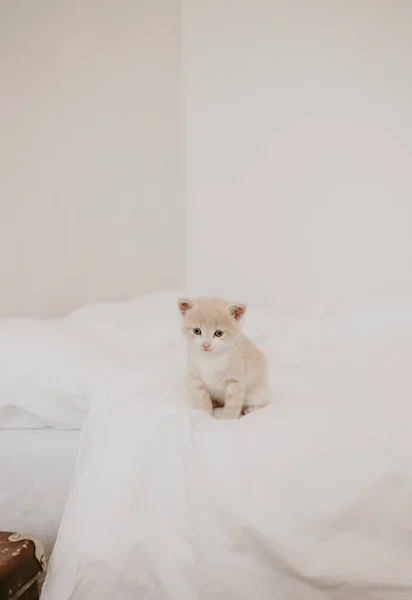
{"type": "Point", "coordinates": [36, 467]}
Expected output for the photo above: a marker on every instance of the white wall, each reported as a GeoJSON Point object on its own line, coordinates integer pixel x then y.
{"type": "Point", "coordinates": [299, 149]}
{"type": "Point", "coordinates": [90, 152]}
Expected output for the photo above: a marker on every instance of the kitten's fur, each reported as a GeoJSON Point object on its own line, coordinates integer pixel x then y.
{"type": "Point", "coordinates": [228, 371]}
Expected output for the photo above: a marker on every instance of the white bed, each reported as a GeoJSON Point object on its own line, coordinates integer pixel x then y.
{"type": "Point", "coordinates": [309, 498]}
{"type": "Point", "coordinates": [36, 467]}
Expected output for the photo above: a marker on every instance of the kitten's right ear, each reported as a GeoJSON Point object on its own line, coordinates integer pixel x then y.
{"type": "Point", "coordinates": [184, 305]}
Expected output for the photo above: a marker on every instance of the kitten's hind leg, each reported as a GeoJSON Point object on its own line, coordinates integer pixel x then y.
{"type": "Point", "coordinates": [255, 401]}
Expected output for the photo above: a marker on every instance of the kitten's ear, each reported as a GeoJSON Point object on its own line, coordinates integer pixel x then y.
{"type": "Point", "coordinates": [184, 305]}
{"type": "Point", "coordinates": [237, 310]}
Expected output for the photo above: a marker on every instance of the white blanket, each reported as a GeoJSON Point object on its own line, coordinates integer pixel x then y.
{"type": "Point", "coordinates": [36, 468]}
{"type": "Point", "coordinates": [308, 499]}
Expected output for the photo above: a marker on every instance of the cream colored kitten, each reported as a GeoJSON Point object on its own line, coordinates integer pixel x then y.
{"type": "Point", "coordinates": [224, 366]}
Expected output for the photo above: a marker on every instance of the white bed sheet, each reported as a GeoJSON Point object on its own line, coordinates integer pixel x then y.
{"type": "Point", "coordinates": [36, 467]}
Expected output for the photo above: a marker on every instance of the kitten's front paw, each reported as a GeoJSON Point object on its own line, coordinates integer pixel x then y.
{"type": "Point", "coordinates": [205, 407]}
{"type": "Point", "coordinates": [223, 413]}
{"type": "Point", "coordinates": [249, 409]}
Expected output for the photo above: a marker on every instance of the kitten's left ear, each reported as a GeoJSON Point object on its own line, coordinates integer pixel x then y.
{"type": "Point", "coordinates": [237, 310]}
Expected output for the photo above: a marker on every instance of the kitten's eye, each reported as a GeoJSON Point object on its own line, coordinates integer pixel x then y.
{"type": "Point", "coordinates": [218, 333]}
{"type": "Point", "coordinates": [197, 331]}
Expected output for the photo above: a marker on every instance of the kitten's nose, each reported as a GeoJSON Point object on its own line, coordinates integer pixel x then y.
{"type": "Point", "coordinates": [205, 345]}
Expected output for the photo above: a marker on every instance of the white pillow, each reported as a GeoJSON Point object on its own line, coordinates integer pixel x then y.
{"type": "Point", "coordinates": [43, 376]}
{"type": "Point", "coordinates": [126, 332]}
{"type": "Point", "coordinates": [50, 369]}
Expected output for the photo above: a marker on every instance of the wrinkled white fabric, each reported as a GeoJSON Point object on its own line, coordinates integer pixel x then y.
{"type": "Point", "coordinates": [51, 369]}
{"type": "Point", "coordinates": [307, 499]}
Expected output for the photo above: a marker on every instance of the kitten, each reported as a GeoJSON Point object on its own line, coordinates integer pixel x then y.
{"type": "Point", "coordinates": [225, 368]}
